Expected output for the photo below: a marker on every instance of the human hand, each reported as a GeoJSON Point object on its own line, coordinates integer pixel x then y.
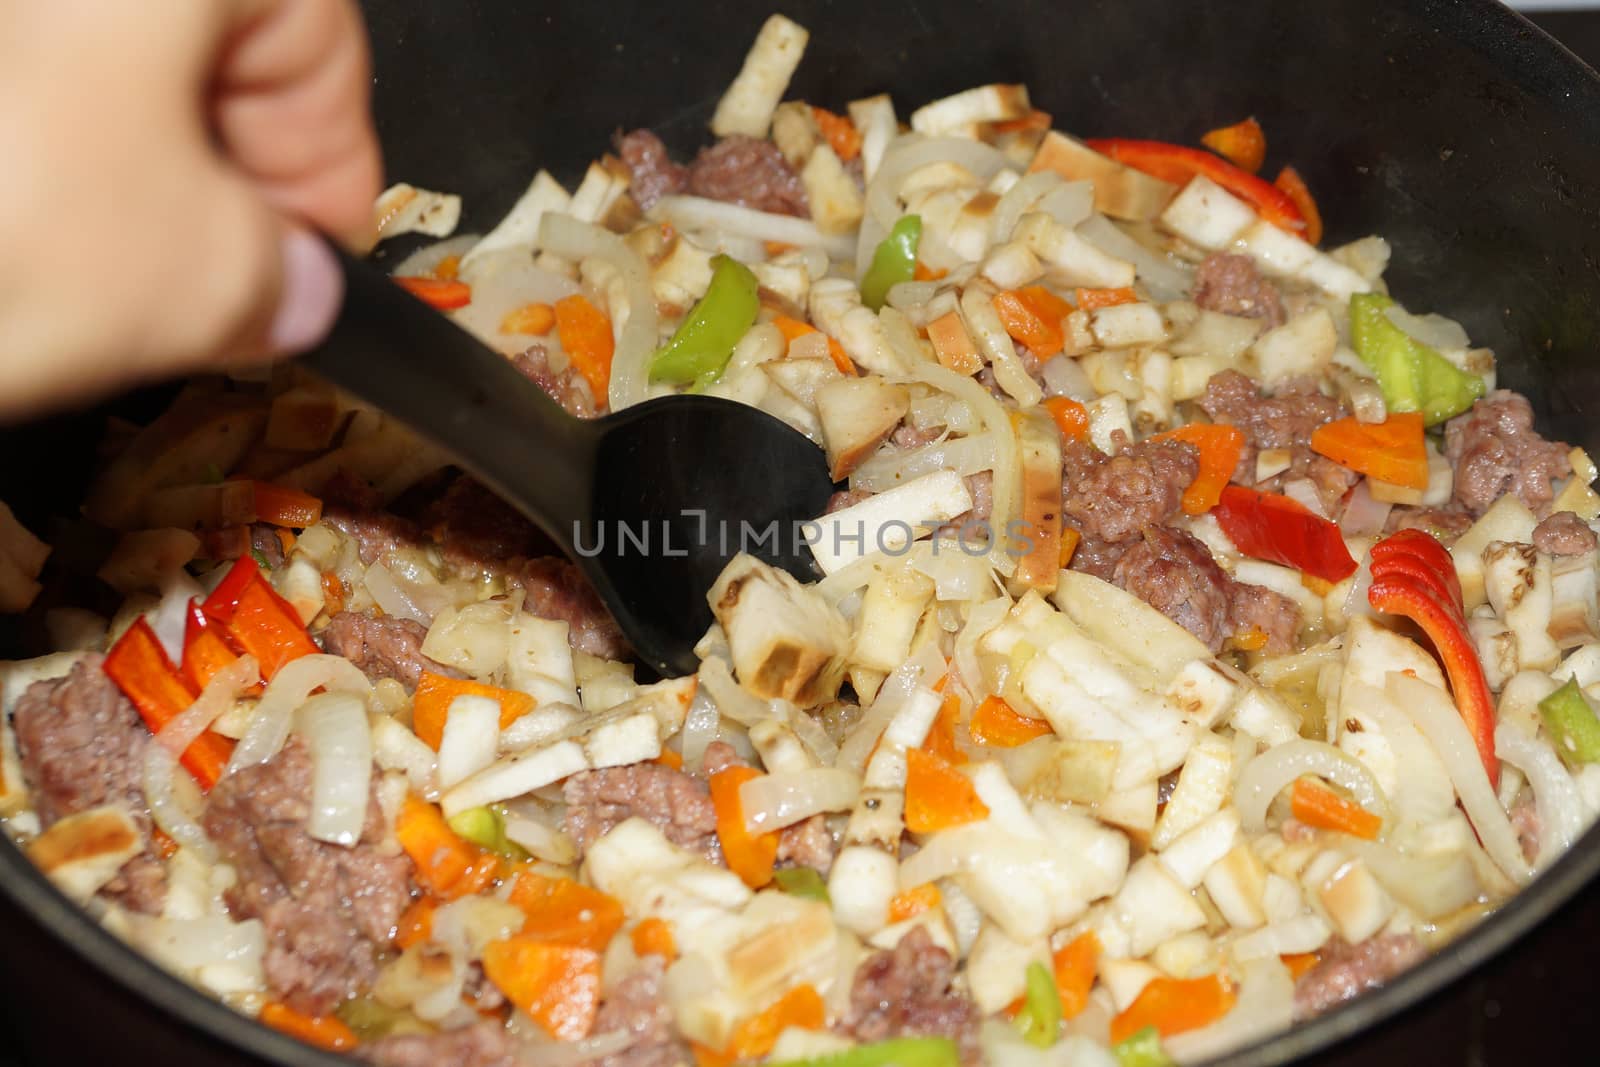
{"type": "Point", "coordinates": [165, 165]}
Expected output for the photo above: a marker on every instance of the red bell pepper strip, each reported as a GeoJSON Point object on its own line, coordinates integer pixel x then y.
{"type": "Point", "coordinates": [141, 669]}
{"type": "Point", "coordinates": [1178, 164]}
{"type": "Point", "coordinates": [205, 650]}
{"type": "Point", "coordinates": [436, 292]}
{"type": "Point", "coordinates": [1275, 528]}
{"type": "Point", "coordinates": [224, 598]}
{"type": "Point", "coordinates": [1414, 576]}
{"type": "Point", "coordinates": [267, 626]}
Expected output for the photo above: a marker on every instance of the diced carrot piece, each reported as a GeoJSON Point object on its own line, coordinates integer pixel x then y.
{"type": "Point", "coordinates": [557, 985]}
{"type": "Point", "coordinates": [282, 506]}
{"type": "Point", "coordinates": [924, 273]}
{"type": "Point", "coordinates": [941, 739]}
{"type": "Point", "coordinates": [653, 937]}
{"type": "Point", "coordinates": [1252, 640]}
{"type": "Point", "coordinates": [669, 758]}
{"type": "Point", "coordinates": [324, 1031]}
{"type": "Point", "coordinates": [753, 1038]}
{"type": "Point", "coordinates": [953, 346]}
{"type": "Point", "coordinates": [1071, 417]}
{"type": "Point", "coordinates": [994, 722]}
{"type": "Point", "coordinates": [1319, 806]}
{"type": "Point", "coordinates": [1032, 316]}
{"type": "Point", "coordinates": [914, 901]}
{"type": "Point", "coordinates": [1175, 1005]}
{"type": "Point", "coordinates": [1300, 962]}
{"type": "Point", "coordinates": [1069, 544]}
{"type": "Point", "coordinates": [1095, 299]}
{"type": "Point", "coordinates": [1219, 447]}
{"type": "Point", "coordinates": [750, 856]}
{"type": "Point", "coordinates": [447, 865]}
{"type": "Point", "coordinates": [792, 328]}
{"type": "Point", "coordinates": [535, 320]}
{"type": "Point", "coordinates": [1394, 450]}
{"type": "Point", "coordinates": [564, 911]}
{"type": "Point", "coordinates": [438, 293]}
{"type": "Point", "coordinates": [1243, 144]}
{"type": "Point", "coordinates": [840, 133]}
{"type": "Point", "coordinates": [332, 593]}
{"type": "Point", "coordinates": [585, 333]}
{"type": "Point", "coordinates": [448, 268]}
{"type": "Point", "coordinates": [165, 846]}
{"type": "Point", "coordinates": [1074, 965]}
{"type": "Point", "coordinates": [776, 248]}
{"type": "Point", "coordinates": [1294, 187]}
{"type": "Point", "coordinates": [430, 705]}
{"type": "Point", "coordinates": [416, 923]}
{"type": "Point", "coordinates": [938, 796]}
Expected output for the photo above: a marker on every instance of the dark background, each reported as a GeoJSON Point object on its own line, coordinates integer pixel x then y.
{"type": "Point", "coordinates": [1535, 1005]}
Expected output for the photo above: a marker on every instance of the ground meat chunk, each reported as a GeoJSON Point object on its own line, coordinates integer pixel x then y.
{"type": "Point", "coordinates": [1446, 524]}
{"type": "Point", "coordinates": [807, 843]}
{"type": "Point", "coordinates": [482, 1044]}
{"type": "Point", "coordinates": [751, 172]}
{"type": "Point", "coordinates": [554, 588]}
{"type": "Point", "coordinates": [654, 173]}
{"type": "Point", "coordinates": [1495, 450]}
{"type": "Point", "coordinates": [566, 387]}
{"type": "Point", "coordinates": [264, 542]}
{"type": "Point", "coordinates": [82, 745]}
{"type": "Point", "coordinates": [1346, 971]}
{"type": "Point", "coordinates": [1097, 557]}
{"type": "Point", "coordinates": [905, 992]}
{"type": "Point", "coordinates": [1284, 420]}
{"type": "Point", "coordinates": [907, 437]}
{"type": "Point", "coordinates": [636, 1005]}
{"type": "Point", "coordinates": [1231, 284]}
{"type": "Point", "coordinates": [676, 803]}
{"type": "Point", "coordinates": [845, 498]}
{"type": "Point", "coordinates": [378, 534]}
{"type": "Point", "coordinates": [1255, 607]}
{"type": "Point", "coordinates": [385, 646]}
{"type": "Point", "coordinates": [477, 531]}
{"type": "Point", "coordinates": [1564, 534]}
{"type": "Point", "coordinates": [1112, 498]}
{"type": "Point", "coordinates": [327, 909]}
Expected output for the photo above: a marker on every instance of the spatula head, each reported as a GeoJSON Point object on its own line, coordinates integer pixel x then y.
{"type": "Point", "coordinates": [682, 485]}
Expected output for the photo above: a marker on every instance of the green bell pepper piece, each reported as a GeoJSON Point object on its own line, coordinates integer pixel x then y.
{"type": "Point", "coordinates": [1142, 1049]}
{"type": "Point", "coordinates": [1572, 724]}
{"type": "Point", "coordinates": [1413, 376]}
{"type": "Point", "coordinates": [486, 828]}
{"type": "Point", "coordinates": [1039, 1021]}
{"type": "Point", "coordinates": [896, 1052]}
{"type": "Point", "coordinates": [894, 261]}
{"type": "Point", "coordinates": [802, 882]}
{"type": "Point", "coordinates": [700, 349]}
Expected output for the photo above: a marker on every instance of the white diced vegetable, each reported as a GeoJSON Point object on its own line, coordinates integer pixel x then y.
{"type": "Point", "coordinates": [889, 521]}
{"type": "Point", "coordinates": [1301, 346]}
{"type": "Point", "coordinates": [1206, 215]}
{"type": "Point", "coordinates": [751, 98]}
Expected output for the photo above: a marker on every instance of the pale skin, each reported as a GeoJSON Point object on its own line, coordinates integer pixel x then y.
{"type": "Point", "coordinates": [165, 165]}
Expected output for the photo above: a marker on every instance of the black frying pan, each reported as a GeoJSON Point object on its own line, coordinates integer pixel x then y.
{"type": "Point", "coordinates": [1456, 130]}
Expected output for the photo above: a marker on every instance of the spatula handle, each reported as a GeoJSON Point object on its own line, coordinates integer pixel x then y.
{"type": "Point", "coordinates": [413, 363]}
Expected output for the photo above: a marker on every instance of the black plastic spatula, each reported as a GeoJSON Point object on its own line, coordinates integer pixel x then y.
{"type": "Point", "coordinates": [650, 502]}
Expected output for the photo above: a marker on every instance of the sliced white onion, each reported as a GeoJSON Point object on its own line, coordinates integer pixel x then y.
{"type": "Point", "coordinates": [964, 455]}
{"type": "Point", "coordinates": [550, 1053]}
{"type": "Point", "coordinates": [904, 155]}
{"type": "Point", "coordinates": [1164, 279]}
{"type": "Point", "coordinates": [1264, 777]}
{"type": "Point", "coordinates": [388, 595]}
{"type": "Point", "coordinates": [1433, 330]}
{"type": "Point", "coordinates": [774, 801]}
{"type": "Point", "coordinates": [189, 944]}
{"type": "Point", "coordinates": [1065, 376]}
{"type": "Point", "coordinates": [958, 576]}
{"type": "Point", "coordinates": [335, 728]}
{"type": "Point", "coordinates": [1303, 492]}
{"type": "Point", "coordinates": [1069, 203]}
{"type": "Point", "coordinates": [170, 616]}
{"type": "Point", "coordinates": [542, 837]}
{"type": "Point", "coordinates": [425, 259]}
{"type": "Point", "coordinates": [1559, 803]}
{"type": "Point", "coordinates": [699, 728]}
{"type": "Point", "coordinates": [922, 669]}
{"type": "Point", "coordinates": [565, 236]}
{"type": "Point", "coordinates": [395, 748]}
{"type": "Point", "coordinates": [717, 216]}
{"type": "Point", "coordinates": [1018, 200]}
{"type": "Point", "coordinates": [1436, 716]}
{"type": "Point", "coordinates": [1432, 885]}
{"type": "Point", "coordinates": [812, 736]}
{"type": "Point", "coordinates": [174, 801]}
{"type": "Point", "coordinates": [501, 283]}
{"type": "Point", "coordinates": [274, 715]}
{"type": "Point", "coordinates": [1265, 1006]}
{"type": "Point", "coordinates": [984, 617]}
{"type": "Point", "coordinates": [908, 296]}
{"type": "Point", "coordinates": [1364, 516]}
{"type": "Point", "coordinates": [733, 701]}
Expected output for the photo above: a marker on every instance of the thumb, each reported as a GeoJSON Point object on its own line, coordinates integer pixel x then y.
{"type": "Point", "coordinates": [309, 296]}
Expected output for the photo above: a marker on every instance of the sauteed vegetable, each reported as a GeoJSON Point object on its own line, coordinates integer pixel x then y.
{"type": "Point", "coordinates": [1199, 638]}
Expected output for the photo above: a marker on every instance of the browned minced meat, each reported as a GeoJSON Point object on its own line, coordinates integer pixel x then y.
{"type": "Point", "coordinates": [1174, 573]}
{"type": "Point", "coordinates": [265, 543]}
{"type": "Point", "coordinates": [1524, 816]}
{"type": "Point", "coordinates": [905, 992]}
{"type": "Point", "coordinates": [1495, 450]}
{"type": "Point", "coordinates": [1112, 498]}
{"type": "Point", "coordinates": [1346, 971]}
{"type": "Point", "coordinates": [1563, 534]}
{"type": "Point", "coordinates": [81, 745]}
{"type": "Point", "coordinates": [636, 1006]}
{"type": "Point", "coordinates": [751, 172]}
{"type": "Point", "coordinates": [385, 646]}
{"type": "Point", "coordinates": [1231, 284]}
{"type": "Point", "coordinates": [565, 387]}
{"type": "Point", "coordinates": [327, 909]}
{"type": "Point", "coordinates": [482, 1044]}
{"type": "Point", "coordinates": [907, 437]}
{"type": "Point", "coordinates": [377, 534]}
{"type": "Point", "coordinates": [347, 492]}
{"type": "Point", "coordinates": [1284, 420]}
{"type": "Point", "coordinates": [476, 530]}
{"type": "Point", "coordinates": [845, 498]}
{"type": "Point", "coordinates": [1097, 557]}
{"type": "Point", "coordinates": [678, 804]}
{"type": "Point", "coordinates": [654, 173]}
{"type": "Point", "coordinates": [807, 843]}
{"type": "Point", "coordinates": [1446, 524]}
{"type": "Point", "coordinates": [554, 588]}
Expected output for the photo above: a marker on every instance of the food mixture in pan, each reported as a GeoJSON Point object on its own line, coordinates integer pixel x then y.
{"type": "Point", "coordinates": [1199, 636]}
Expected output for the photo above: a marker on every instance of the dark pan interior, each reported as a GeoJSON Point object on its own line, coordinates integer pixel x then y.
{"type": "Point", "coordinates": [1456, 130]}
